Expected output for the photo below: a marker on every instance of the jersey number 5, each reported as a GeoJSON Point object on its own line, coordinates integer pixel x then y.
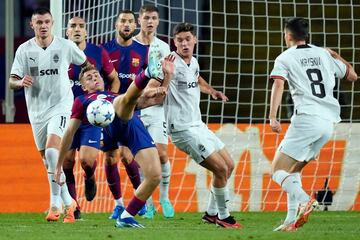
{"type": "Point", "coordinates": [317, 87]}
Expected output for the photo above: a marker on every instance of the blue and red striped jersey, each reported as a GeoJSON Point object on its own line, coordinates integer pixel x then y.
{"type": "Point", "coordinates": [97, 56]}
{"type": "Point", "coordinates": [127, 60]}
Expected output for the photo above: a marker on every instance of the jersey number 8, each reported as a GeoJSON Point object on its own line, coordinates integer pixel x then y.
{"type": "Point", "coordinates": [317, 87]}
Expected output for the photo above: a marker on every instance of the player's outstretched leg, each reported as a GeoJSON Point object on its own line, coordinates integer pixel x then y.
{"type": "Point", "coordinates": [149, 162]}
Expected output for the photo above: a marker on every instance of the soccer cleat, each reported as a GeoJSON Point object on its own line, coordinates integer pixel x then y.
{"type": "Point", "coordinates": [285, 228]}
{"type": "Point", "coordinates": [154, 66]}
{"type": "Point", "coordinates": [142, 211]}
{"type": "Point", "coordinates": [150, 212]}
{"type": "Point", "coordinates": [128, 222]}
{"type": "Point", "coordinates": [69, 213]}
{"type": "Point", "coordinates": [167, 208]}
{"type": "Point", "coordinates": [77, 214]}
{"type": "Point", "coordinates": [228, 222]}
{"type": "Point", "coordinates": [53, 214]}
{"type": "Point", "coordinates": [209, 219]}
{"type": "Point", "coordinates": [117, 212]}
{"type": "Point", "coordinates": [304, 212]}
{"type": "Point", "coordinates": [90, 188]}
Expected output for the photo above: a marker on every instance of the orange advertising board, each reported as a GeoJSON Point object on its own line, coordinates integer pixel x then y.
{"type": "Point", "coordinates": [24, 186]}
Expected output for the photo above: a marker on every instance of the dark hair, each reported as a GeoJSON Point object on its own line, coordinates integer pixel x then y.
{"type": "Point", "coordinates": [148, 8]}
{"type": "Point", "coordinates": [184, 27]}
{"type": "Point", "coordinates": [299, 27]}
{"type": "Point", "coordinates": [85, 69]}
{"type": "Point", "coordinates": [41, 11]}
{"type": "Point", "coordinates": [125, 11]}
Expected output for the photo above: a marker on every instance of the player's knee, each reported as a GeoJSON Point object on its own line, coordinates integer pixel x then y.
{"type": "Point", "coordinates": [85, 164]}
{"type": "Point", "coordinates": [110, 160]}
{"type": "Point", "coordinates": [153, 177]}
{"type": "Point", "coordinates": [163, 157]}
{"type": "Point", "coordinates": [230, 166]}
{"type": "Point", "coordinates": [68, 163]}
{"type": "Point", "coordinates": [221, 171]}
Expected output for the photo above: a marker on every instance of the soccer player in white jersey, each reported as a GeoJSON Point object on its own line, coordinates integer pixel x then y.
{"type": "Point", "coordinates": [310, 72]}
{"type": "Point", "coordinates": [41, 68]}
{"type": "Point", "coordinates": [189, 133]}
{"type": "Point", "coordinates": [153, 117]}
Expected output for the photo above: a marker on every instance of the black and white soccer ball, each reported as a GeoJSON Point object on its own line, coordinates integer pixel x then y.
{"type": "Point", "coordinates": [100, 113]}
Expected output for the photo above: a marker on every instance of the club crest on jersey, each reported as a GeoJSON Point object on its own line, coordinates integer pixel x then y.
{"type": "Point", "coordinates": [101, 96]}
{"type": "Point", "coordinates": [201, 147]}
{"type": "Point", "coordinates": [135, 62]}
{"type": "Point", "coordinates": [56, 58]}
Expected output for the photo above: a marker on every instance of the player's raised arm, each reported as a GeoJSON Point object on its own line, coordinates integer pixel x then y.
{"type": "Point", "coordinates": [114, 81]}
{"type": "Point", "coordinates": [275, 101]}
{"type": "Point", "coordinates": [155, 91]}
{"type": "Point", "coordinates": [351, 74]}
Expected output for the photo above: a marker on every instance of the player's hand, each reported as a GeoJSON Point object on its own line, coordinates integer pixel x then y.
{"type": "Point", "coordinates": [168, 64]}
{"type": "Point", "coordinates": [219, 95]}
{"type": "Point", "coordinates": [26, 81]}
{"type": "Point", "coordinates": [57, 176]}
{"type": "Point", "coordinates": [155, 92]}
{"type": "Point", "coordinates": [275, 125]}
{"type": "Point", "coordinates": [161, 91]}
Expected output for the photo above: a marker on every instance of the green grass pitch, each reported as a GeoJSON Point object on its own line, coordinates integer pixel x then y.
{"type": "Point", "coordinates": [322, 225]}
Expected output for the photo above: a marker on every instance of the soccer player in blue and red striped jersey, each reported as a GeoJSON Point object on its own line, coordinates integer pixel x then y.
{"type": "Point", "coordinates": [126, 128]}
{"type": "Point", "coordinates": [87, 138]}
{"type": "Point", "coordinates": [129, 59]}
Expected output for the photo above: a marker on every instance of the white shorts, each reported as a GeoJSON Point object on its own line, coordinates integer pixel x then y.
{"type": "Point", "coordinates": [55, 125]}
{"type": "Point", "coordinates": [305, 136]}
{"type": "Point", "coordinates": [156, 126]}
{"type": "Point", "coordinates": [199, 142]}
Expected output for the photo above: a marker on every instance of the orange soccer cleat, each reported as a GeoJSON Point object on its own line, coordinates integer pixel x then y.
{"type": "Point", "coordinates": [53, 214]}
{"type": "Point", "coordinates": [304, 212]}
{"type": "Point", "coordinates": [69, 213]}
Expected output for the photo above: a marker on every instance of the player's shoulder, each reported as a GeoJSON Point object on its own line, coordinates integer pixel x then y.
{"type": "Point", "coordinates": [161, 42]}
{"type": "Point", "coordinates": [135, 39]}
{"type": "Point", "coordinates": [286, 55]}
{"type": "Point", "coordinates": [93, 48]}
{"type": "Point", "coordinates": [138, 45]}
{"type": "Point", "coordinates": [63, 41]}
{"type": "Point", "coordinates": [110, 45]}
{"type": "Point", "coordinates": [26, 45]}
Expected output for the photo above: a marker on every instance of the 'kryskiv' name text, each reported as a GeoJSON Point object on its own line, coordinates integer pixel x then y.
{"type": "Point", "coordinates": [310, 62]}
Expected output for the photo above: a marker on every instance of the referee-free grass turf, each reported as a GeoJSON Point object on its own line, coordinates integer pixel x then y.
{"type": "Point", "coordinates": [322, 225]}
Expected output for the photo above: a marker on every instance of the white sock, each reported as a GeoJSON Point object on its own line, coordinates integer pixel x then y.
{"type": "Point", "coordinates": [292, 204]}
{"type": "Point", "coordinates": [165, 181]}
{"type": "Point", "coordinates": [221, 202]}
{"type": "Point", "coordinates": [65, 195]}
{"type": "Point", "coordinates": [291, 185]}
{"type": "Point", "coordinates": [119, 202]}
{"type": "Point", "coordinates": [212, 207]}
{"type": "Point", "coordinates": [149, 201]}
{"type": "Point", "coordinates": [51, 156]}
{"type": "Point", "coordinates": [125, 214]}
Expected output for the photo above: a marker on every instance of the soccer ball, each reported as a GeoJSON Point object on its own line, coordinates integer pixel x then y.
{"type": "Point", "coordinates": [100, 113]}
